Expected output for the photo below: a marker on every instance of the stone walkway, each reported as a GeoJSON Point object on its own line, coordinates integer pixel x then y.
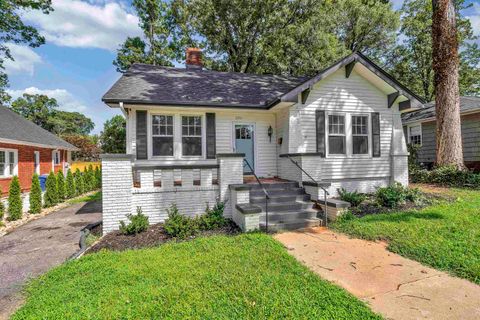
{"type": "Point", "coordinates": [36, 247]}
{"type": "Point", "coordinates": [393, 286]}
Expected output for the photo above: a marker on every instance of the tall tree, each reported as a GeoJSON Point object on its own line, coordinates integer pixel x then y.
{"type": "Point", "coordinates": [13, 30]}
{"type": "Point", "coordinates": [411, 60]}
{"type": "Point", "coordinates": [159, 49]}
{"type": "Point", "coordinates": [445, 65]}
{"type": "Point", "coordinates": [43, 111]}
{"type": "Point", "coordinates": [113, 136]}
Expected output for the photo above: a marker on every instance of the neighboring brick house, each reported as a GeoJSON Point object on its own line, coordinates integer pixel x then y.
{"type": "Point", "coordinates": [26, 148]}
{"type": "Point", "coordinates": [420, 127]}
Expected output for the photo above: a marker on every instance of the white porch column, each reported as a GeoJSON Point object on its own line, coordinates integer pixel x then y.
{"type": "Point", "coordinates": [117, 184]}
{"type": "Point", "coordinates": [399, 153]}
{"type": "Point", "coordinates": [230, 171]}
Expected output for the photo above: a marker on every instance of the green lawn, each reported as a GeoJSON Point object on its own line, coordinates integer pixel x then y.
{"type": "Point", "coordinates": [243, 277]}
{"type": "Point", "coordinates": [445, 236]}
{"type": "Point", "coordinates": [92, 197]}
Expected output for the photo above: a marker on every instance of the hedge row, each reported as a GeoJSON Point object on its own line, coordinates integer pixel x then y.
{"type": "Point", "coordinates": [446, 176]}
{"type": "Point", "coordinates": [57, 189]}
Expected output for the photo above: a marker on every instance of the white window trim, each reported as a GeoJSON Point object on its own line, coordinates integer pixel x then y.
{"type": "Point", "coordinates": [53, 158]}
{"type": "Point", "coordinates": [35, 155]}
{"type": "Point", "coordinates": [416, 124]}
{"type": "Point", "coordinates": [348, 135]}
{"type": "Point", "coordinates": [177, 135]}
{"type": "Point", "coordinates": [7, 162]}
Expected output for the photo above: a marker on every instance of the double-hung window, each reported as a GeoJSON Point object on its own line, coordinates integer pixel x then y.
{"type": "Point", "coordinates": [8, 163]}
{"type": "Point", "coordinates": [162, 134]}
{"type": "Point", "coordinates": [56, 157]}
{"type": "Point", "coordinates": [415, 134]}
{"type": "Point", "coordinates": [191, 135]}
{"type": "Point", "coordinates": [336, 134]}
{"type": "Point", "coordinates": [360, 134]}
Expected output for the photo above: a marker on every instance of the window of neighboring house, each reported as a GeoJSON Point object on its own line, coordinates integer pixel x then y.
{"type": "Point", "coordinates": [56, 157]}
{"type": "Point", "coordinates": [36, 161]}
{"type": "Point", "coordinates": [8, 163]}
{"type": "Point", "coordinates": [415, 135]}
{"type": "Point", "coordinates": [336, 134]}
{"type": "Point", "coordinates": [162, 135]}
{"type": "Point", "coordinates": [191, 135]}
{"type": "Point", "coordinates": [360, 134]}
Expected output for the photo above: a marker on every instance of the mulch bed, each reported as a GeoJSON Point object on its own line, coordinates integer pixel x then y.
{"type": "Point", "coordinates": [154, 236]}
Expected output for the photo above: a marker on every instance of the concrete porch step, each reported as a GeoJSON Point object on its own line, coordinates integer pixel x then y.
{"type": "Point", "coordinates": [277, 192]}
{"type": "Point", "coordinates": [286, 206]}
{"type": "Point", "coordinates": [280, 198]}
{"type": "Point", "coordinates": [289, 216]}
{"type": "Point", "coordinates": [292, 225]}
{"type": "Point", "coordinates": [275, 186]}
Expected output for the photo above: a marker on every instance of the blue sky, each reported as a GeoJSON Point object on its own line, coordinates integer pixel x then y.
{"type": "Point", "coordinates": [75, 64]}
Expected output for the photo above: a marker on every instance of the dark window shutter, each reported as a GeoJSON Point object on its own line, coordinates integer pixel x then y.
{"type": "Point", "coordinates": [142, 139]}
{"type": "Point", "coordinates": [376, 134]}
{"type": "Point", "coordinates": [320, 128]}
{"type": "Point", "coordinates": [211, 136]}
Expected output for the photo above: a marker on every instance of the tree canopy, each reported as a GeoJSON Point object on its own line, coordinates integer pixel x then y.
{"type": "Point", "coordinates": [43, 111]}
{"type": "Point", "coordinates": [13, 30]}
{"type": "Point", "coordinates": [113, 137]}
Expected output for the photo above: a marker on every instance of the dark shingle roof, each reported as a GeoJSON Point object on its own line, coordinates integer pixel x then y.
{"type": "Point", "coordinates": [16, 127]}
{"type": "Point", "coordinates": [144, 83]}
{"type": "Point", "coordinates": [467, 104]}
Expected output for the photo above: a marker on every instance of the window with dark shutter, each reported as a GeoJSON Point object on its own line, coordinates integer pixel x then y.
{"type": "Point", "coordinates": [191, 135]}
{"type": "Point", "coordinates": [320, 128]}
{"type": "Point", "coordinates": [141, 133]}
{"type": "Point", "coordinates": [162, 135]}
{"type": "Point", "coordinates": [211, 135]}
{"type": "Point", "coordinates": [336, 134]}
{"type": "Point", "coordinates": [376, 134]}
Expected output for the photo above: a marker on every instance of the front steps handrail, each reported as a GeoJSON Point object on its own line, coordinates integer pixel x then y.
{"type": "Point", "coordinates": [267, 196]}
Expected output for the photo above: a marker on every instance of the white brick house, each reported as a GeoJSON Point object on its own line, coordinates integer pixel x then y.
{"type": "Point", "coordinates": [189, 130]}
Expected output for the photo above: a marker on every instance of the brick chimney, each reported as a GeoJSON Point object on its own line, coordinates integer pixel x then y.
{"type": "Point", "coordinates": [194, 58]}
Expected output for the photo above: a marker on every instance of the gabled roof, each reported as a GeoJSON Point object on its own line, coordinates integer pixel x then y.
{"type": "Point", "coordinates": [467, 104]}
{"type": "Point", "coordinates": [147, 84]}
{"type": "Point", "coordinates": [16, 129]}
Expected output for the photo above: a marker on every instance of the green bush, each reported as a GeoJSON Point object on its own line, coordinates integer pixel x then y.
{"type": "Point", "coordinates": [79, 183]}
{"type": "Point", "coordinates": [35, 195]}
{"type": "Point", "coordinates": [448, 176]}
{"type": "Point", "coordinates": [179, 226]}
{"type": "Point", "coordinates": [138, 223]}
{"type": "Point", "coordinates": [391, 196]}
{"type": "Point", "coordinates": [414, 195]}
{"type": "Point", "coordinates": [354, 198]}
{"type": "Point", "coordinates": [2, 210]}
{"type": "Point", "coordinates": [87, 176]}
{"type": "Point", "coordinates": [70, 189]}
{"type": "Point", "coordinates": [213, 218]}
{"type": "Point", "coordinates": [346, 216]}
{"type": "Point", "coordinates": [92, 178]}
{"type": "Point", "coordinates": [98, 177]}
{"type": "Point", "coordinates": [15, 207]}
{"type": "Point", "coordinates": [61, 186]}
{"type": "Point", "coordinates": [51, 191]}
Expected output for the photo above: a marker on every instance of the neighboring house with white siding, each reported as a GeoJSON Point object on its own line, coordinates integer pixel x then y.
{"type": "Point", "coordinates": [420, 129]}
{"type": "Point", "coordinates": [192, 135]}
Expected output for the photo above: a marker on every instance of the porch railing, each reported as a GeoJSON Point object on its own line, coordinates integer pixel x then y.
{"type": "Point", "coordinates": [325, 192]}
{"type": "Point", "coordinates": [175, 176]}
{"type": "Point", "coordinates": [265, 192]}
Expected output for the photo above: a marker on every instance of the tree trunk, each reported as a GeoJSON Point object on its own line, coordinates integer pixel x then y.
{"type": "Point", "coordinates": [445, 65]}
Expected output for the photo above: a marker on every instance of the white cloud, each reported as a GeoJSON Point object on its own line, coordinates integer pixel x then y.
{"type": "Point", "coordinates": [475, 19]}
{"type": "Point", "coordinates": [25, 60]}
{"type": "Point", "coordinates": [93, 24]}
{"type": "Point", "coordinates": [66, 101]}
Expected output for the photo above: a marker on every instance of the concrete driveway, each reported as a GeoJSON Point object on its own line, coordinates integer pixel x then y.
{"type": "Point", "coordinates": [393, 286]}
{"type": "Point", "coordinates": [36, 247]}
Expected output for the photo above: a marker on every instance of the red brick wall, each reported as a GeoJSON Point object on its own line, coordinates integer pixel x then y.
{"type": "Point", "coordinates": [26, 165]}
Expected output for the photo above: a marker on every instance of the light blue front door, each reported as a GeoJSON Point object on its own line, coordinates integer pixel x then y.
{"type": "Point", "coordinates": [244, 135]}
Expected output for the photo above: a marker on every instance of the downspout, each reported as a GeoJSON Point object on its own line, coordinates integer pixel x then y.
{"type": "Point", "coordinates": [120, 104]}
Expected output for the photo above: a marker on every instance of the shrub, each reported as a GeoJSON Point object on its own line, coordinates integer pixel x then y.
{"type": "Point", "coordinates": [98, 177]}
{"type": "Point", "coordinates": [15, 207]}
{"type": "Point", "coordinates": [180, 226]}
{"type": "Point", "coordinates": [70, 189]}
{"type": "Point", "coordinates": [213, 218]}
{"type": "Point", "coordinates": [353, 197]}
{"type": "Point", "coordinates": [414, 195]}
{"type": "Point", "coordinates": [35, 195]}
{"type": "Point", "coordinates": [346, 216]}
{"type": "Point", "coordinates": [446, 176]}
{"type": "Point", "coordinates": [87, 176]}
{"type": "Point", "coordinates": [2, 210]}
{"type": "Point", "coordinates": [391, 196]}
{"type": "Point", "coordinates": [61, 186]}
{"type": "Point", "coordinates": [51, 191]}
{"type": "Point", "coordinates": [79, 182]}
{"type": "Point", "coordinates": [138, 223]}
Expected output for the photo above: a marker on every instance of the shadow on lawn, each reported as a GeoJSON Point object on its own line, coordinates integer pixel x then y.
{"type": "Point", "coordinates": [404, 216]}
{"type": "Point", "coordinates": [90, 207]}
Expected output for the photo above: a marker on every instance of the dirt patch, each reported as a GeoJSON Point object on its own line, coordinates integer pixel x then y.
{"type": "Point", "coordinates": [155, 235]}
